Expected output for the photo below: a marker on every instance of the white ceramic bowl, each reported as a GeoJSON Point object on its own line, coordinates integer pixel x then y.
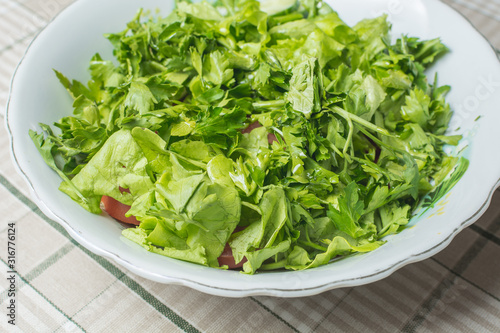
{"type": "Point", "coordinates": [70, 40]}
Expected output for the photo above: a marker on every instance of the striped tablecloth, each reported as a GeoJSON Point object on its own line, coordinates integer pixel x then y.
{"type": "Point", "coordinates": [62, 287]}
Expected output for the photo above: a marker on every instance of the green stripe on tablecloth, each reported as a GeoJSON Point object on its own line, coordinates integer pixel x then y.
{"type": "Point", "coordinates": [45, 298]}
{"type": "Point", "coordinates": [475, 285]}
{"type": "Point", "coordinates": [39, 269]}
{"type": "Point", "coordinates": [446, 284]}
{"type": "Point", "coordinates": [51, 260]}
{"type": "Point", "coordinates": [274, 314]}
{"type": "Point", "coordinates": [486, 234]}
{"type": "Point", "coordinates": [119, 274]}
{"type": "Point", "coordinates": [340, 301]}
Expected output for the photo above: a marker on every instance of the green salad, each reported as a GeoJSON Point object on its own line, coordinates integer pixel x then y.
{"type": "Point", "coordinates": [288, 135]}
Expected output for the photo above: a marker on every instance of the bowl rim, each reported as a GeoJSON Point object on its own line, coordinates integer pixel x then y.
{"type": "Point", "coordinates": [376, 275]}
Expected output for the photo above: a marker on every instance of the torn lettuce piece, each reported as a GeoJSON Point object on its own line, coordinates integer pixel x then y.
{"type": "Point", "coordinates": [120, 163]}
{"type": "Point", "coordinates": [139, 236]}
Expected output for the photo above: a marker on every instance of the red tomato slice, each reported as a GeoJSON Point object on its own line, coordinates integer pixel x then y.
{"type": "Point", "coordinates": [117, 210]}
{"type": "Point", "coordinates": [226, 258]}
{"type": "Point", "coordinates": [270, 137]}
{"type": "Point", "coordinates": [251, 127]}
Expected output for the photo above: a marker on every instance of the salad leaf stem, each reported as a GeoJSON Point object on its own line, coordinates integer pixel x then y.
{"type": "Point", "coordinates": [346, 115]}
{"type": "Point", "coordinates": [312, 245]}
